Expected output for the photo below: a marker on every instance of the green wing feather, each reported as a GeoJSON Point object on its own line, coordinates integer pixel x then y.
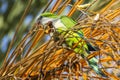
{"type": "Point", "coordinates": [68, 22]}
{"type": "Point", "coordinates": [72, 38]}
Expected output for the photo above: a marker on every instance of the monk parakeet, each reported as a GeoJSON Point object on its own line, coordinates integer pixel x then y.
{"type": "Point", "coordinates": [62, 24]}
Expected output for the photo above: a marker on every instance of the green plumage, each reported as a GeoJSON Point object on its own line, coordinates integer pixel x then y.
{"type": "Point", "coordinates": [68, 22]}
{"type": "Point", "coordinates": [72, 38]}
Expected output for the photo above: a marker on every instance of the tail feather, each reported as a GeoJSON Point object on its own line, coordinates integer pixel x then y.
{"type": "Point", "coordinates": [93, 64]}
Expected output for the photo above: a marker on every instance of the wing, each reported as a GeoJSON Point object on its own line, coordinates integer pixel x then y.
{"type": "Point", "coordinates": [72, 39]}
{"type": "Point", "coordinates": [67, 21]}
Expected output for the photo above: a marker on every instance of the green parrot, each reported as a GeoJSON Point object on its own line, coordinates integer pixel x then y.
{"type": "Point", "coordinates": [62, 24]}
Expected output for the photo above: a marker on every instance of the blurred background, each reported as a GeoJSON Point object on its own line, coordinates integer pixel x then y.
{"type": "Point", "coordinates": [10, 14]}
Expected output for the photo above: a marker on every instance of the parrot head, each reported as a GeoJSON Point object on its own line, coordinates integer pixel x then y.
{"type": "Point", "coordinates": [49, 18]}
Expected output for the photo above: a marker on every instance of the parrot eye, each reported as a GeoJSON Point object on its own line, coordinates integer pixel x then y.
{"type": "Point", "coordinates": [39, 20]}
